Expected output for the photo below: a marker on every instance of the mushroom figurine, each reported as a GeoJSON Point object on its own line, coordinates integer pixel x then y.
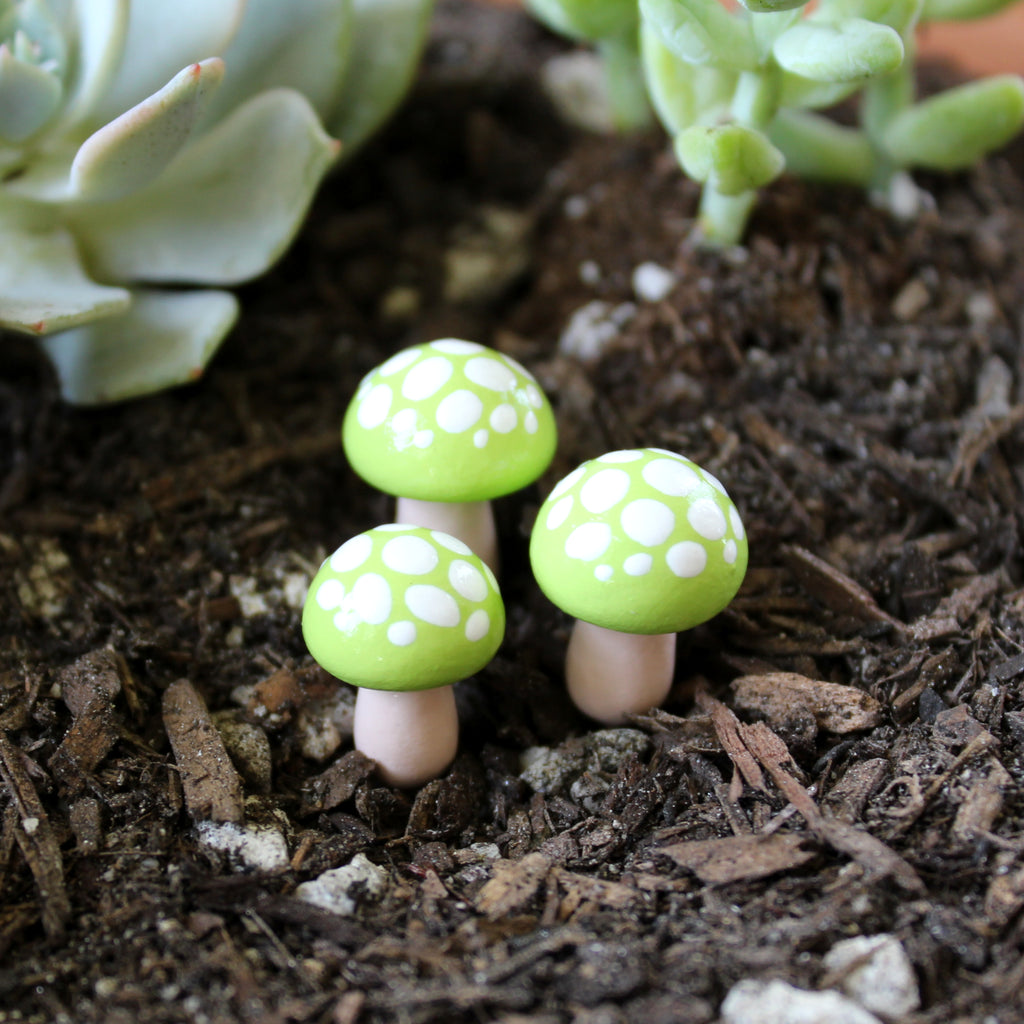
{"type": "Point", "coordinates": [404, 612]}
{"type": "Point", "coordinates": [636, 546]}
{"type": "Point", "coordinates": [446, 427]}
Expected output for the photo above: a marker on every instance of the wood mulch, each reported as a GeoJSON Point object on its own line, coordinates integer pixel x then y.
{"type": "Point", "coordinates": [841, 753]}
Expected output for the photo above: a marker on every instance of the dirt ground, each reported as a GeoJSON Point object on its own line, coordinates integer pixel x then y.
{"type": "Point", "coordinates": [841, 754]}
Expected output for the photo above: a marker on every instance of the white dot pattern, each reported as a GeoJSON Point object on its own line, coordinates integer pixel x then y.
{"type": "Point", "coordinates": [629, 517]}
{"type": "Point", "coordinates": [417, 591]}
{"type": "Point", "coordinates": [454, 398]}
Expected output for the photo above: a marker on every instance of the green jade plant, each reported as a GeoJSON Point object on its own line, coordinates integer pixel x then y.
{"type": "Point", "coordinates": [149, 148]}
{"type": "Point", "coordinates": [740, 91]}
{"type": "Point", "coordinates": [612, 27]}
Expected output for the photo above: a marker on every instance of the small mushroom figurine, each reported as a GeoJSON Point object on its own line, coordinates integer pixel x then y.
{"type": "Point", "coordinates": [403, 612]}
{"type": "Point", "coordinates": [636, 545]}
{"type": "Point", "coordinates": [446, 427]}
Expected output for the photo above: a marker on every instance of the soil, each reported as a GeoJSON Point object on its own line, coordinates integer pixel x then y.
{"type": "Point", "coordinates": [841, 753]}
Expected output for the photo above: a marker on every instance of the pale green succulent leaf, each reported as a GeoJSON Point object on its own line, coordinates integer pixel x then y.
{"type": "Point", "coordinates": [683, 94]}
{"type": "Point", "coordinates": [961, 10]}
{"type": "Point", "coordinates": [386, 48]}
{"type": "Point", "coordinates": [100, 27]}
{"type": "Point", "coordinates": [730, 158]}
{"type": "Point", "coordinates": [804, 93]}
{"type": "Point", "coordinates": [225, 209]}
{"type": "Point", "coordinates": [43, 287]}
{"type": "Point", "coordinates": [848, 51]}
{"type": "Point", "coordinates": [956, 128]}
{"type": "Point", "coordinates": [29, 97]}
{"type": "Point", "coordinates": [766, 28]}
{"type": "Point", "coordinates": [772, 6]}
{"type": "Point", "coordinates": [133, 149]}
{"type": "Point", "coordinates": [38, 36]}
{"type": "Point", "coordinates": [590, 20]}
{"type": "Point", "coordinates": [900, 15]}
{"type": "Point", "coordinates": [302, 45]}
{"type": "Point", "coordinates": [164, 338]}
{"type": "Point", "coordinates": [819, 148]}
{"type": "Point", "coordinates": [161, 38]}
{"type": "Point", "coordinates": [702, 32]}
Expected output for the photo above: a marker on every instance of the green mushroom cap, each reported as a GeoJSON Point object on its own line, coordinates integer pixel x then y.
{"type": "Point", "coordinates": [641, 541]}
{"type": "Point", "coordinates": [449, 421]}
{"type": "Point", "coordinates": [403, 608]}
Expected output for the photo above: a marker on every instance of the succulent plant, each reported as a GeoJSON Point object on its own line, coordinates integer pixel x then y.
{"type": "Point", "coordinates": [147, 148]}
{"type": "Point", "coordinates": [739, 92]}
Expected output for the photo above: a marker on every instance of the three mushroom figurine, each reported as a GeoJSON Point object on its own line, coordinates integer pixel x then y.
{"type": "Point", "coordinates": [636, 545]}
{"type": "Point", "coordinates": [403, 612]}
{"type": "Point", "coordinates": [446, 427]}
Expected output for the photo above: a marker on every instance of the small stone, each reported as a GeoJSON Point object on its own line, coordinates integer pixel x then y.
{"type": "Point", "coordinates": [251, 847]}
{"type": "Point", "coordinates": [912, 299]}
{"type": "Point", "coordinates": [652, 282]}
{"type": "Point", "coordinates": [877, 973]}
{"type": "Point", "coordinates": [776, 1002]}
{"type": "Point", "coordinates": [593, 328]}
{"type": "Point", "coordinates": [590, 272]}
{"type": "Point", "coordinates": [576, 85]}
{"type": "Point", "coordinates": [341, 890]}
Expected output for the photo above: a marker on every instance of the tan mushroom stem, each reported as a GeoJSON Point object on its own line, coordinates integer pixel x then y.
{"type": "Point", "coordinates": [611, 675]}
{"type": "Point", "coordinates": [472, 522]}
{"type": "Point", "coordinates": [413, 736]}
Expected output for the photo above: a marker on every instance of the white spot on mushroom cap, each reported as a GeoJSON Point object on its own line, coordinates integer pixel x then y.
{"type": "Point", "coordinates": [714, 481]}
{"type": "Point", "coordinates": [487, 372]}
{"type": "Point", "coordinates": [687, 559]}
{"type": "Point", "coordinates": [478, 625]}
{"type": "Point", "coordinates": [410, 554]}
{"type": "Point", "coordinates": [423, 438]}
{"type": "Point", "coordinates": [604, 572]}
{"type": "Point", "coordinates": [604, 489]}
{"type": "Point", "coordinates": [330, 594]}
{"type": "Point", "coordinates": [638, 564]}
{"type": "Point", "coordinates": [456, 346]}
{"type": "Point", "coordinates": [533, 394]}
{"type": "Point", "coordinates": [403, 427]}
{"type": "Point", "coordinates": [370, 599]}
{"type": "Point", "coordinates": [707, 519]}
{"type": "Point", "coordinates": [531, 423]}
{"type": "Point", "coordinates": [467, 580]}
{"type": "Point", "coordinates": [374, 408]}
{"type": "Point", "coordinates": [446, 540]}
{"type": "Point", "coordinates": [559, 512]}
{"type": "Point", "coordinates": [504, 418]}
{"type": "Point", "coordinates": [588, 541]}
{"type": "Point", "coordinates": [459, 411]}
{"type": "Point", "coordinates": [626, 455]}
{"type": "Point", "coordinates": [402, 633]}
{"type": "Point", "coordinates": [671, 477]}
{"type": "Point", "coordinates": [481, 437]}
{"type": "Point", "coordinates": [730, 552]}
{"type": "Point", "coordinates": [648, 521]}
{"type": "Point", "coordinates": [399, 361]}
{"type": "Point", "coordinates": [426, 378]}
{"type": "Point", "coordinates": [432, 604]}
{"type": "Point", "coordinates": [736, 522]}
{"type": "Point", "coordinates": [351, 554]}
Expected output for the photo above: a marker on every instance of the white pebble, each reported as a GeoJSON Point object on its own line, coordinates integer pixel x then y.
{"type": "Point", "coordinates": [340, 890]}
{"type": "Point", "coordinates": [652, 282]}
{"type": "Point", "coordinates": [877, 973]}
{"type": "Point", "coordinates": [776, 1002]}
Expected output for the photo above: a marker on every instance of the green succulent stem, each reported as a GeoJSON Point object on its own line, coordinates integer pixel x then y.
{"type": "Point", "coordinates": [721, 219]}
{"type": "Point", "coordinates": [627, 92]}
{"type": "Point", "coordinates": [820, 149]}
{"type": "Point", "coordinates": [882, 100]}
